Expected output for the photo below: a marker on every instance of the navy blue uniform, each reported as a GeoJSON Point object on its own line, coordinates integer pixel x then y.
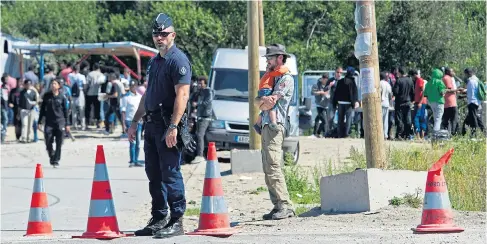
{"type": "Point", "coordinates": [163, 164]}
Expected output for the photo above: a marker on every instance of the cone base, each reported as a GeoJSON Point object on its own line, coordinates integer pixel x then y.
{"type": "Point", "coordinates": [47, 234]}
{"type": "Point", "coordinates": [437, 228]}
{"type": "Point", "coordinates": [39, 229]}
{"type": "Point", "coordinates": [220, 232]}
{"type": "Point", "coordinates": [105, 235]}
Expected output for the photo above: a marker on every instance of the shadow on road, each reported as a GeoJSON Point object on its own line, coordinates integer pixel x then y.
{"type": "Point", "coordinates": [316, 211]}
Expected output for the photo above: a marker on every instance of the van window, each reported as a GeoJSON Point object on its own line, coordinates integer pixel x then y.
{"type": "Point", "coordinates": [235, 83]}
{"type": "Point", "coordinates": [231, 82]}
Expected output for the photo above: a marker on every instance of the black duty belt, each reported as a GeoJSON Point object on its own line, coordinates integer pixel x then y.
{"type": "Point", "coordinates": [153, 116]}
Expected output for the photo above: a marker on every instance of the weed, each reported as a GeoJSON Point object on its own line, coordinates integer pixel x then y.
{"type": "Point", "coordinates": [411, 200]}
{"type": "Point", "coordinates": [288, 159]}
{"type": "Point", "coordinates": [192, 212]}
{"type": "Point", "coordinates": [414, 200]}
{"type": "Point", "coordinates": [301, 189]}
{"type": "Point", "coordinates": [396, 201]}
{"type": "Point", "coordinates": [357, 160]}
{"type": "Point", "coordinates": [329, 167]}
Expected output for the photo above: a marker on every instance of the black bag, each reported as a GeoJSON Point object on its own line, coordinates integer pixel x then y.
{"type": "Point", "coordinates": [75, 91]}
{"type": "Point", "coordinates": [185, 141]}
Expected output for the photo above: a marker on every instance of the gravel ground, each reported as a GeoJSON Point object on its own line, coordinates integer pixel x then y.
{"type": "Point", "coordinates": [389, 225]}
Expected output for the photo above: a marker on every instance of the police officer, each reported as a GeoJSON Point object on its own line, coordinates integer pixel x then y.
{"type": "Point", "coordinates": [164, 104]}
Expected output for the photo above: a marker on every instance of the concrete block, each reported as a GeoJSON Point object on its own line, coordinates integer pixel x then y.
{"type": "Point", "coordinates": [246, 161]}
{"type": "Point", "coordinates": [367, 190]}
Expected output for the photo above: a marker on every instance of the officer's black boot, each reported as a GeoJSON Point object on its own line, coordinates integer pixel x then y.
{"type": "Point", "coordinates": [154, 225]}
{"type": "Point", "coordinates": [173, 228]}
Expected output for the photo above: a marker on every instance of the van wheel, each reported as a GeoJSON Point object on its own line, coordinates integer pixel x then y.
{"type": "Point", "coordinates": [294, 157]}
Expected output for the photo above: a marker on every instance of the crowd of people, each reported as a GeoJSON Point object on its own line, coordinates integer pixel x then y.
{"type": "Point", "coordinates": [100, 97]}
{"type": "Point", "coordinates": [406, 100]}
{"type": "Point", "coordinates": [90, 97]}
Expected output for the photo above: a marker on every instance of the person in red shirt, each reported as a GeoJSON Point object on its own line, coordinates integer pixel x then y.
{"type": "Point", "coordinates": [420, 123]}
{"type": "Point", "coordinates": [449, 120]}
{"type": "Point", "coordinates": [65, 71]}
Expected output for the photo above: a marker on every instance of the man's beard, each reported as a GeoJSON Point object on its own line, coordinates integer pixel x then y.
{"type": "Point", "coordinates": [271, 67]}
{"type": "Point", "coordinates": [160, 47]}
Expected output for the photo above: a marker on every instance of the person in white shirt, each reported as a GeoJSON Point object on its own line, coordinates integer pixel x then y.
{"type": "Point", "coordinates": [472, 120]}
{"type": "Point", "coordinates": [78, 82]}
{"type": "Point", "coordinates": [386, 98]}
{"type": "Point", "coordinates": [128, 107]}
{"type": "Point", "coordinates": [94, 80]}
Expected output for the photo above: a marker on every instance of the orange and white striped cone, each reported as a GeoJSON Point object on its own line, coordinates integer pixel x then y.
{"type": "Point", "coordinates": [214, 220]}
{"type": "Point", "coordinates": [102, 219]}
{"type": "Point", "coordinates": [39, 217]}
{"type": "Point", "coordinates": [437, 214]}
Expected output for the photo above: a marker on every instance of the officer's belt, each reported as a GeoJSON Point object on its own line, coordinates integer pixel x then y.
{"type": "Point", "coordinates": [153, 116]}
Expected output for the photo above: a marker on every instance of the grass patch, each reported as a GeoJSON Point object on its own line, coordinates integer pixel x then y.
{"type": "Point", "coordinates": [411, 200]}
{"type": "Point", "coordinates": [302, 189]}
{"type": "Point", "coordinates": [465, 173]}
{"type": "Point", "coordinates": [192, 212]}
{"type": "Point", "coordinates": [288, 159]}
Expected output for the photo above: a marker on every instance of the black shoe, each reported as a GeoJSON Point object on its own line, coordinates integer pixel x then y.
{"type": "Point", "coordinates": [173, 228]}
{"type": "Point", "coordinates": [283, 214]}
{"type": "Point", "coordinates": [154, 225]}
{"type": "Point", "coordinates": [268, 216]}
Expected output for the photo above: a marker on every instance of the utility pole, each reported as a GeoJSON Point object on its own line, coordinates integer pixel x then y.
{"type": "Point", "coordinates": [254, 74]}
{"type": "Point", "coordinates": [261, 25]}
{"type": "Point", "coordinates": [367, 53]}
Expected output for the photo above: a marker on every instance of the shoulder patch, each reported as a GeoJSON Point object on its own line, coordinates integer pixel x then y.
{"type": "Point", "coordinates": [183, 71]}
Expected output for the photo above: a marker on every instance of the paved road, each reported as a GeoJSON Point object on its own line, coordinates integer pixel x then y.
{"type": "Point", "coordinates": [69, 189]}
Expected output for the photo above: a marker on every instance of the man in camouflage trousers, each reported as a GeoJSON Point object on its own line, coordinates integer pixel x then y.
{"type": "Point", "coordinates": [273, 137]}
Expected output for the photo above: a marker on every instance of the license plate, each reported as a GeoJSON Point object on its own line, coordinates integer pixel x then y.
{"type": "Point", "coordinates": [242, 139]}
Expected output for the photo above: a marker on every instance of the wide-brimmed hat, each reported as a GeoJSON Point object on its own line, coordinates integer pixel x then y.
{"type": "Point", "coordinates": [276, 49]}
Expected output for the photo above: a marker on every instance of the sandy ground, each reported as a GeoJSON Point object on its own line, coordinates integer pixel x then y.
{"type": "Point", "coordinates": [71, 183]}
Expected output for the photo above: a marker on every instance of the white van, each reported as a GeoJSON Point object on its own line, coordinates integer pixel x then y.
{"type": "Point", "coordinates": [229, 79]}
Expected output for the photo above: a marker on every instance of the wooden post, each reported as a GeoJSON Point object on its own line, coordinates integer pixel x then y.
{"type": "Point", "coordinates": [367, 53]}
{"type": "Point", "coordinates": [261, 24]}
{"type": "Point", "coordinates": [254, 74]}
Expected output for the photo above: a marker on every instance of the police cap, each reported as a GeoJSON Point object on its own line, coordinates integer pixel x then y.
{"type": "Point", "coordinates": [161, 22]}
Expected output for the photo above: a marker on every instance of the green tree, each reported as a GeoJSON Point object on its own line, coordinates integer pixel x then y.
{"type": "Point", "coordinates": [427, 35]}
{"type": "Point", "coordinates": [52, 22]}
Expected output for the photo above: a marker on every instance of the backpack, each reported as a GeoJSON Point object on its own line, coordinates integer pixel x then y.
{"type": "Point", "coordinates": [75, 90]}
{"type": "Point", "coordinates": [481, 91]}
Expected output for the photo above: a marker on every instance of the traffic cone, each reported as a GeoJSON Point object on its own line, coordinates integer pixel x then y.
{"type": "Point", "coordinates": [214, 220]}
{"type": "Point", "coordinates": [102, 220]}
{"type": "Point", "coordinates": [39, 218]}
{"type": "Point", "coordinates": [437, 213]}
